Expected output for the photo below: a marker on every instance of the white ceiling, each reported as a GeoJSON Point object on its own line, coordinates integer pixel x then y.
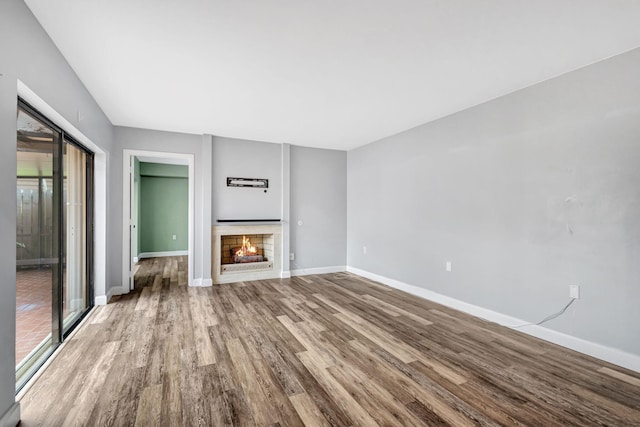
{"type": "Point", "coordinates": [324, 73]}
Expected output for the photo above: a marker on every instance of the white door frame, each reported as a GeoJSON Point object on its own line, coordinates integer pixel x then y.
{"type": "Point", "coordinates": [127, 171]}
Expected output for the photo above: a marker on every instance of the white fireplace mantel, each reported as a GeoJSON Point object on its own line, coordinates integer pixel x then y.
{"type": "Point", "coordinates": [244, 229]}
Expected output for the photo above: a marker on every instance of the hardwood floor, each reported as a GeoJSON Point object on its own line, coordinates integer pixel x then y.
{"type": "Point", "coordinates": [331, 349]}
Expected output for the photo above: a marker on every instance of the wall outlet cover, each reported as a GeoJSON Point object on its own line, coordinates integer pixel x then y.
{"type": "Point", "coordinates": [574, 291]}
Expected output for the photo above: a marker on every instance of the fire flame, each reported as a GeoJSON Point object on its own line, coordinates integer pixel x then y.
{"type": "Point", "coordinates": [247, 248]}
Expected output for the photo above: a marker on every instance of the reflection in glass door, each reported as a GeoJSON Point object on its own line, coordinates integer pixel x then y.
{"type": "Point", "coordinates": [36, 243]}
{"type": "Point", "coordinates": [74, 299]}
{"type": "Point", "coordinates": [53, 238]}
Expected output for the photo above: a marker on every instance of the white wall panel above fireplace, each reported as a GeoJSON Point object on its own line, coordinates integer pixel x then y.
{"type": "Point", "coordinates": [245, 159]}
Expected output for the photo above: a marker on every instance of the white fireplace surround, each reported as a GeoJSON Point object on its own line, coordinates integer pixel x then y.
{"type": "Point", "coordinates": [220, 276]}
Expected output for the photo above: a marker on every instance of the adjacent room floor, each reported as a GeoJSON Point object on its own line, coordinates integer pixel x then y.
{"type": "Point", "coordinates": [33, 309]}
{"type": "Point", "coordinates": [331, 349]}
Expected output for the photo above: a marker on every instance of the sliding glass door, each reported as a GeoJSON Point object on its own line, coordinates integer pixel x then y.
{"type": "Point", "coordinates": [53, 238]}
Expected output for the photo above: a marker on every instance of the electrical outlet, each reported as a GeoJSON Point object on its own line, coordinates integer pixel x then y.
{"type": "Point", "coordinates": [574, 291]}
{"type": "Point", "coordinates": [174, 237]}
{"type": "Point", "coordinates": [292, 256]}
{"type": "Point", "coordinates": [364, 250]}
{"type": "Point", "coordinates": [448, 266]}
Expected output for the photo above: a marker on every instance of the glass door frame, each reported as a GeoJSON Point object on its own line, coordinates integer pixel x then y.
{"type": "Point", "coordinates": [58, 332]}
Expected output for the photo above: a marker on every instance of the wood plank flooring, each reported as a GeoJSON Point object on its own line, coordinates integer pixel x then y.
{"type": "Point", "coordinates": [321, 350]}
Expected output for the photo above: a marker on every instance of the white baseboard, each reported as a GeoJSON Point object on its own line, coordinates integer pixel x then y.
{"type": "Point", "coordinates": [609, 354]}
{"type": "Point", "coordinates": [11, 417]}
{"type": "Point", "coordinates": [162, 254]}
{"type": "Point", "coordinates": [285, 275]}
{"type": "Point", "coordinates": [104, 299]}
{"type": "Point", "coordinates": [200, 282]}
{"type": "Point", "coordinates": [319, 270]}
{"type": "Point", "coordinates": [135, 259]}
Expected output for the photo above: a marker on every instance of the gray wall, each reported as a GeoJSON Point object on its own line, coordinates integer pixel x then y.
{"type": "Point", "coordinates": [319, 200]}
{"type": "Point", "coordinates": [27, 54]}
{"type": "Point", "coordinates": [525, 195]}
{"type": "Point", "coordinates": [245, 159]}
{"type": "Point", "coordinates": [158, 141]}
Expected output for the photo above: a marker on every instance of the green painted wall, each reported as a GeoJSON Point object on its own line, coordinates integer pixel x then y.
{"type": "Point", "coordinates": [164, 170]}
{"type": "Point", "coordinates": [164, 198]}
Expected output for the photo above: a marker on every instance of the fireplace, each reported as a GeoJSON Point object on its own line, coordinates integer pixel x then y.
{"type": "Point", "coordinates": [246, 252]}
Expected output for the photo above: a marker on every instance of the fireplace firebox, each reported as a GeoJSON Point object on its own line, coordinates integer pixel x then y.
{"type": "Point", "coordinates": [246, 252]}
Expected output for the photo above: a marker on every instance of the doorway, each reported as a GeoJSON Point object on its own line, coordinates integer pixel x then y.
{"type": "Point", "coordinates": [159, 176]}
{"type": "Point", "coordinates": [54, 238]}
